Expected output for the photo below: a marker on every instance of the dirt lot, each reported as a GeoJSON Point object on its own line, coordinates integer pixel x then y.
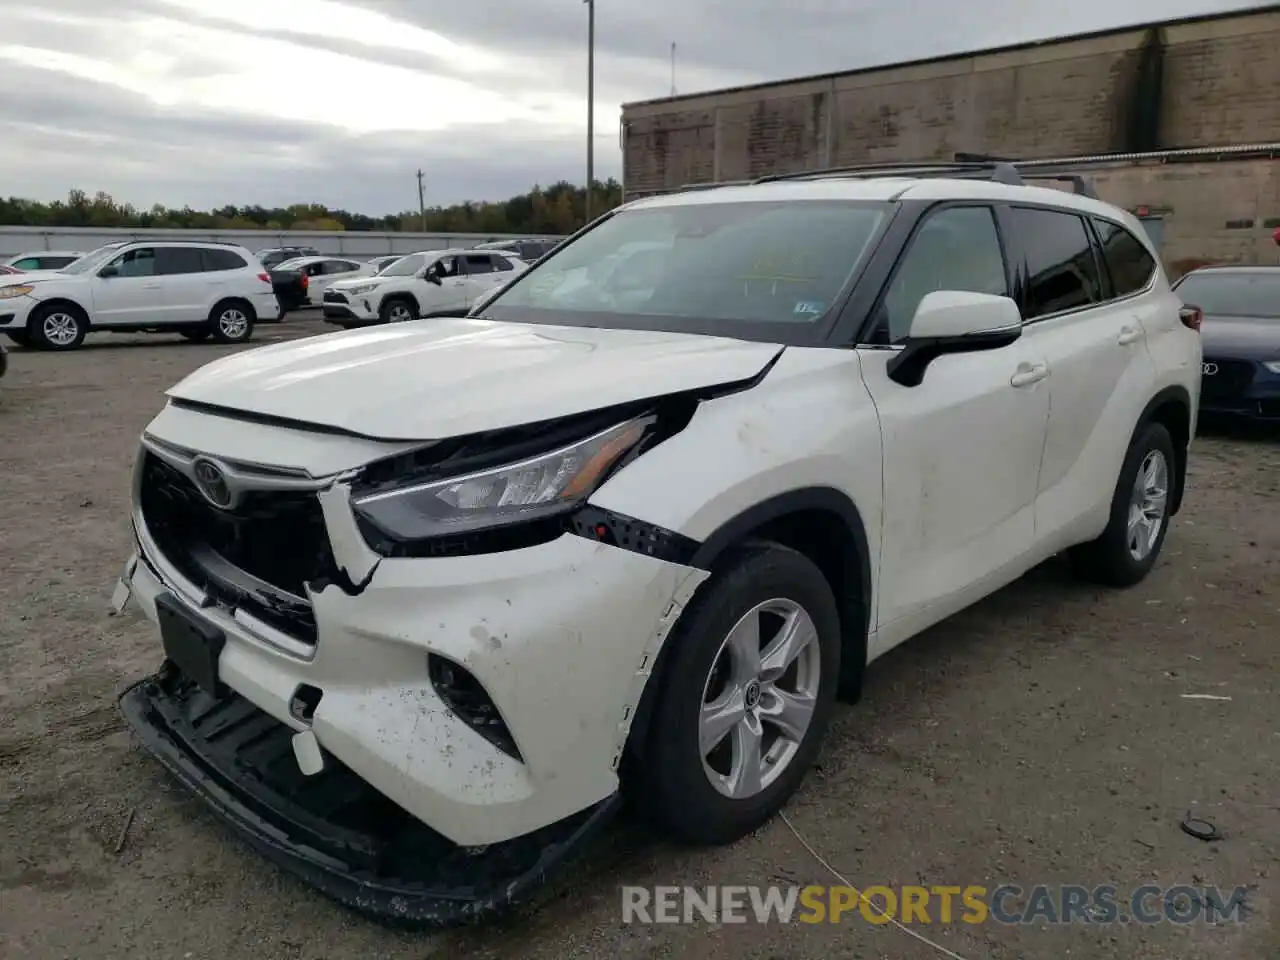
{"type": "Point", "coordinates": [1041, 737]}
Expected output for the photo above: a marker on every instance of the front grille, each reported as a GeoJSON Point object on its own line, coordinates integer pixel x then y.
{"type": "Point", "coordinates": [277, 538]}
{"type": "Point", "coordinates": [1231, 379]}
{"type": "Point", "coordinates": [333, 296]}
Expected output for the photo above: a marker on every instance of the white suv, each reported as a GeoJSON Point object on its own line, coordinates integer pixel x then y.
{"type": "Point", "coordinates": [199, 289]}
{"type": "Point", "coordinates": [433, 283]}
{"type": "Point", "coordinates": [441, 587]}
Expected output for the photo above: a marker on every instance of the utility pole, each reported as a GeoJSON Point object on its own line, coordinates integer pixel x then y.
{"type": "Point", "coordinates": [422, 204]}
{"type": "Point", "coordinates": [591, 103]}
{"type": "Point", "coordinates": [673, 68]}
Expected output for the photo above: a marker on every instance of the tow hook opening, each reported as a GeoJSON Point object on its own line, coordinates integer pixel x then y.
{"type": "Point", "coordinates": [303, 703]}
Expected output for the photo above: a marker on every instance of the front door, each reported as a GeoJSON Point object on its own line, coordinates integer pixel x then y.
{"type": "Point", "coordinates": [133, 295]}
{"type": "Point", "coordinates": [962, 449]}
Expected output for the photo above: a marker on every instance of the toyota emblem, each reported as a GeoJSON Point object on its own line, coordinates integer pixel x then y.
{"type": "Point", "coordinates": [211, 481]}
{"type": "Point", "coordinates": [1208, 369]}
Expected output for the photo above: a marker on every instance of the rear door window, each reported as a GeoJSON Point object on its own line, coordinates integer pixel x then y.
{"type": "Point", "coordinates": [172, 261]}
{"type": "Point", "coordinates": [1062, 272]}
{"type": "Point", "coordinates": [478, 263]}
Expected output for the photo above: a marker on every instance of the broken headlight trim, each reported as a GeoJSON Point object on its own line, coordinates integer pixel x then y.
{"type": "Point", "coordinates": [536, 488]}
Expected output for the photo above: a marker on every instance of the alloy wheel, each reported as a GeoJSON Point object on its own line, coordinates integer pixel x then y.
{"type": "Point", "coordinates": [1148, 503]}
{"type": "Point", "coordinates": [759, 698]}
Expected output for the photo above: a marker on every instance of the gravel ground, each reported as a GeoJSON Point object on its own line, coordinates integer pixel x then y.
{"type": "Point", "coordinates": [1040, 737]}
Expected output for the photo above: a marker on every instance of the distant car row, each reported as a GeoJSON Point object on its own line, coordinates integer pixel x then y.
{"type": "Point", "coordinates": [213, 290]}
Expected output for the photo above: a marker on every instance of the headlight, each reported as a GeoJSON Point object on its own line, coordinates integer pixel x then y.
{"type": "Point", "coordinates": [1272, 365]}
{"type": "Point", "coordinates": [535, 488]}
{"type": "Point", "coordinates": [8, 293]}
{"type": "Point", "coordinates": [361, 289]}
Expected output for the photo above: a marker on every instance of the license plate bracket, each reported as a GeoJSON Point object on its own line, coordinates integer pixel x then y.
{"type": "Point", "coordinates": [191, 644]}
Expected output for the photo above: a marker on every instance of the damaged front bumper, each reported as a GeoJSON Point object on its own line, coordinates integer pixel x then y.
{"type": "Point", "coordinates": [334, 830]}
{"type": "Point", "coordinates": [561, 637]}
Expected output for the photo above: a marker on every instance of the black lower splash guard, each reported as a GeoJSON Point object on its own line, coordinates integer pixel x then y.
{"type": "Point", "coordinates": [334, 830]}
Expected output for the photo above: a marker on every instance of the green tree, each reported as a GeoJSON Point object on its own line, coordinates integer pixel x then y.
{"type": "Point", "coordinates": [556, 209]}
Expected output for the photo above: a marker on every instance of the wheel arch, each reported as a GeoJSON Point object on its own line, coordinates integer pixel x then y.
{"type": "Point", "coordinates": [822, 523]}
{"type": "Point", "coordinates": [406, 295]}
{"type": "Point", "coordinates": [1171, 408]}
{"type": "Point", "coordinates": [66, 303]}
{"type": "Point", "coordinates": [240, 301]}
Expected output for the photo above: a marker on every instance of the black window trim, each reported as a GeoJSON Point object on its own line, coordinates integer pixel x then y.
{"type": "Point", "coordinates": [1089, 229]}
{"type": "Point", "coordinates": [870, 334]}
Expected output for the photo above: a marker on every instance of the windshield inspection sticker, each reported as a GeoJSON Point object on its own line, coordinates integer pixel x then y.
{"type": "Point", "coordinates": [808, 306]}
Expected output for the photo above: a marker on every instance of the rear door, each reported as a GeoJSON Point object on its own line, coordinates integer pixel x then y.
{"type": "Point", "coordinates": [133, 295]}
{"type": "Point", "coordinates": [185, 284]}
{"type": "Point", "coordinates": [1102, 373]}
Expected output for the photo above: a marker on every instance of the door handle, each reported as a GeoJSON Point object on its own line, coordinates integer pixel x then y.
{"type": "Point", "coordinates": [151, 286]}
{"type": "Point", "coordinates": [1129, 335]}
{"type": "Point", "coordinates": [1029, 373]}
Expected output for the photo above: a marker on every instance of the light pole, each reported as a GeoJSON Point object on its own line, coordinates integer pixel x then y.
{"type": "Point", "coordinates": [591, 102]}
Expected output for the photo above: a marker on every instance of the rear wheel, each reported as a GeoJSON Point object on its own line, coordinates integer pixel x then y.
{"type": "Point", "coordinates": [58, 327]}
{"type": "Point", "coordinates": [745, 698]}
{"type": "Point", "coordinates": [231, 321]}
{"type": "Point", "coordinates": [1131, 543]}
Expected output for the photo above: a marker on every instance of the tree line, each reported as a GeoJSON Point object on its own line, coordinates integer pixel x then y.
{"type": "Point", "coordinates": [558, 209]}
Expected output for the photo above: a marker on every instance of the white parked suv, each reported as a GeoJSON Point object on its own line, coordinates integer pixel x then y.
{"type": "Point", "coordinates": [433, 597]}
{"type": "Point", "coordinates": [199, 289]}
{"type": "Point", "coordinates": [433, 283]}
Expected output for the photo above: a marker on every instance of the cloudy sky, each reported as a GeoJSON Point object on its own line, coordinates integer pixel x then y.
{"type": "Point", "coordinates": [209, 102]}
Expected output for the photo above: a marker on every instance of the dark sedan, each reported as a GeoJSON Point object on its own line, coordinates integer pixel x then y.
{"type": "Point", "coordinates": [1241, 335]}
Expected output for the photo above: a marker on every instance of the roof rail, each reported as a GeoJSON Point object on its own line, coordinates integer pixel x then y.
{"type": "Point", "coordinates": [969, 166]}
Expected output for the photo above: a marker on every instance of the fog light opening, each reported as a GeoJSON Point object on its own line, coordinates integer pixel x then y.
{"type": "Point", "coordinates": [463, 694]}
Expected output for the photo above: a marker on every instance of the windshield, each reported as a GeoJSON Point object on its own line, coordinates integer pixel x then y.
{"type": "Point", "coordinates": [405, 266]}
{"type": "Point", "coordinates": [92, 260]}
{"type": "Point", "coordinates": [1233, 294]}
{"type": "Point", "coordinates": [762, 270]}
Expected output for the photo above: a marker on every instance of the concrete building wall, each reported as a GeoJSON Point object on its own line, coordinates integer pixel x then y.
{"type": "Point", "coordinates": [1198, 83]}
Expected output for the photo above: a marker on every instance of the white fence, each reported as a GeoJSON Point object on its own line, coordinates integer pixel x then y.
{"type": "Point", "coordinates": [16, 240]}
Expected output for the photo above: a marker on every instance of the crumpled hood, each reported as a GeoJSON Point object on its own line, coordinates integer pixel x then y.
{"type": "Point", "coordinates": [432, 379]}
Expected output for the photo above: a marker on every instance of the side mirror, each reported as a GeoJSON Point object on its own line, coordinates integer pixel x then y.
{"type": "Point", "coordinates": [107, 272]}
{"type": "Point", "coordinates": [954, 321]}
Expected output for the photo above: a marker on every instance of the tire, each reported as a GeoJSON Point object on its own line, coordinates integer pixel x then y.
{"type": "Point", "coordinates": [20, 337]}
{"type": "Point", "coordinates": [397, 310]}
{"type": "Point", "coordinates": [195, 335]}
{"type": "Point", "coordinates": [57, 327]}
{"type": "Point", "coordinates": [1119, 558]}
{"type": "Point", "coordinates": [693, 799]}
{"type": "Point", "coordinates": [231, 321]}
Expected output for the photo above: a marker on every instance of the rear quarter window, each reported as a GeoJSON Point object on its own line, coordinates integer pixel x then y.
{"type": "Point", "coordinates": [222, 260]}
{"type": "Point", "coordinates": [1127, 260]}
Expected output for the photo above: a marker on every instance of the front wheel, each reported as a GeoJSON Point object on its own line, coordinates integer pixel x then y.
{"type": "Point", "coordinates": [1131, 543]}
{"type": "Point", "coordinates": [396, 310]}
{"type": "Point", "coordinates": [58, 327]}
{"type": "Point", "coordinates": [745, 699]}
{"type": "Point", "coordinates": [231, 322]}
